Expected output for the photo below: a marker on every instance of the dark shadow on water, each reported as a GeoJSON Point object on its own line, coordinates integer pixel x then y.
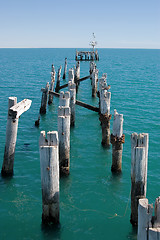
{"type": "Point", "coordinates": [116, 177]}
{"type": "Point", "coordinates": [132, 235]}
{"type": "Point", "coordinates": [51, 231]}
{"type": "Point", "coordinates": [6, 177]}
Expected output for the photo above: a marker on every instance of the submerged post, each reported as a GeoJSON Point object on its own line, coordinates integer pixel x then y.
{"type": "Point", "coordinates": [53, 73]}
{"type": "Point", "coordinates": [44, 99]}
{"type": "Point", "coordinates": [139, 162]}
{"type": "Point", "coordinates": [65, 69]}
{"type": "Point", "coordinates": [117, 140]}
{"type": "Point", "coordinates": [64, 139]}
{"type": "Point", "coordinates": [14, 111]}
{"type": "Point", "coordinates": [58, 79]}
{"type": "Point", "coordinates": [49, 163]}
{"type": "Point", "coordinates": [105, 115]}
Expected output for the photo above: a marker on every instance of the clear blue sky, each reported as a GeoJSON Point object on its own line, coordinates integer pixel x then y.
{"type": "Point", "coordinates": [70, 23]}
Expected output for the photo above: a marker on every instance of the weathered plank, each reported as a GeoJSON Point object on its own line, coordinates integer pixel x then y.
{"type": "Point", "coordinates": [19, 108]}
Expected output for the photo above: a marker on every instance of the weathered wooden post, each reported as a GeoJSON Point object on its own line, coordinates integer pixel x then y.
{"type": "Point", "coordinates": [105, 115]}
{"type": "Point", "coordinates": [144, 218]}
{"type": "Point", "coordinates": [52, 68]}
{"type": "Point", "coordinates": [53, 73]}
{"type": "Point", "coordinates": [77, 74]}
{"type": "Point", "coordinates": [94, 82]}
{"type": "Point", "coordinates": [49, 163]}
{"type": "Point", "coordinates": [64, 139]}
{"type": "Point", "coordinates": [139, 161]}
{"type": "Point", "coordinates": [148, 225]}
{"type": "Point", "coordinates": [72, 90]}
{"type": "Point", "coordinates": [64, 99]}
{"type": "Point", "coordinates": [14, 111]}
{"type": "Point", "coordinates": [65, 69]}
{"type": "Point", "coordinates": [92, 66]}
{"type": "Point", "coordinates": [117, 140]}
{"type": "Point", "coordinates": [44, 99]}
{"type": "Point", "coordinates": [71, 74]}
{"type": "Point", "coordinates": [58, 79]}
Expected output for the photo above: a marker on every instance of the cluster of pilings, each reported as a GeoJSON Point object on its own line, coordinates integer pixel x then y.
{"type": "Point", "coordinates": [55, 148]}
{"type": "Point", "coordinates": [66, 119]}
{"type": "Point", "coordinates": [66, 114]}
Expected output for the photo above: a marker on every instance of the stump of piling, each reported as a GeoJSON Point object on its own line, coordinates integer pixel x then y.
{"type": "Point", "coordinates": [49, 163]}
{"type": "Point", "coordinates": [94, 82]}
{"type": "Point", "coordinates": [77, 75]}
{"type": "Point", "coordinates": [53, 73]}
{"type": "Point", "coordinates": [71, 74]}
{"type": "Point", "coordinates": [14, 111]}
{"type": "Point", "coordinates": [58, 79]}
{"type": "Point", "coordinates": [144, 218]}
{"type": "Point", "coordinates": [139, 161]}
{"type": "Point", "coordinates": [105, 116]}
{"type": "Point", "coordinates": [44, 99]}
{"type": "Point", "coordinates": [117, 140]}
{"type": "Point", "coordinates": [65, 69]}
{"type": "Point", "coordinates": [72, 90]}
{"type": "Point", "coordinates": [64, 139]}
{"type": "Point", "coordinates": [64, 99]}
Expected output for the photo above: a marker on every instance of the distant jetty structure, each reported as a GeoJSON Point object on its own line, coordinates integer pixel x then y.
{"type": "Point", "coordinates": [88, 55]}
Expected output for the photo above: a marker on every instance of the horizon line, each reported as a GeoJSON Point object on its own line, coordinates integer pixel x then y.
{"type": "Point", "coordinates": [79, 47]}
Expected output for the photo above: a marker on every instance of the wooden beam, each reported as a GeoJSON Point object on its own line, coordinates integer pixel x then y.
{"type": "Point", "coordinates": [79, 103]}
{"type": "Point", "coordinates": [85, 105]}
{"type": "Point", "coordinates": [19, 108]}
{"type": "Point", "coordinates": [80, 80]}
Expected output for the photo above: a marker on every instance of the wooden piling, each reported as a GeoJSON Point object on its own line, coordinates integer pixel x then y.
{"type": "Point", "coordinates": [71, 75]}
{"type": "Point", "coordinates": [64, 99]}
{"type": "Point", "coordinates": [14, 111]}
{"type": "Point", "coordinates": [65, 69]}
{"type": "Point", "coordinates": [105, 115]}
{"type": "Point", "coordinates": [72, 90]}
{"type": "Point", "coordinates": [139, 161]}
{"type": "Point", "coordinates": [53, 73]}
{"type": "Point", "coordinates": [49, 163]}
{"type": "Point", "coordinates": [77, 75]}
{"type": "Point", "coordinates": [144, 218]}
{"type": "Point", "coordinates": [117, 140]}
{"type": "Point", "coordinates": [148, 225]}
{"type": "Point", "coordinates": [92, 66]}
{"type": "Point", "coordinates": [64, 139]}
{"type": "Point", "coordinates": [58, 79]}
{"type": "Point", "coordinates": [94, 82]}
{"type": "Point", "coordinates": [44, 99]}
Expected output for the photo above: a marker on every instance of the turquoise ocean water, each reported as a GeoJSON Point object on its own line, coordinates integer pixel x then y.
{"type": "Point", "coordinates": [94, 204]}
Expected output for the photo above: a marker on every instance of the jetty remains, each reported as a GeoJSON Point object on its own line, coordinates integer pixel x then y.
{"type": "Point", "coordinates": [88, 55]}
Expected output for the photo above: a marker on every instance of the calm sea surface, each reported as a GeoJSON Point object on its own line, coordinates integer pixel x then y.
{"type": "Point", "coordinates": [94, 204]}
